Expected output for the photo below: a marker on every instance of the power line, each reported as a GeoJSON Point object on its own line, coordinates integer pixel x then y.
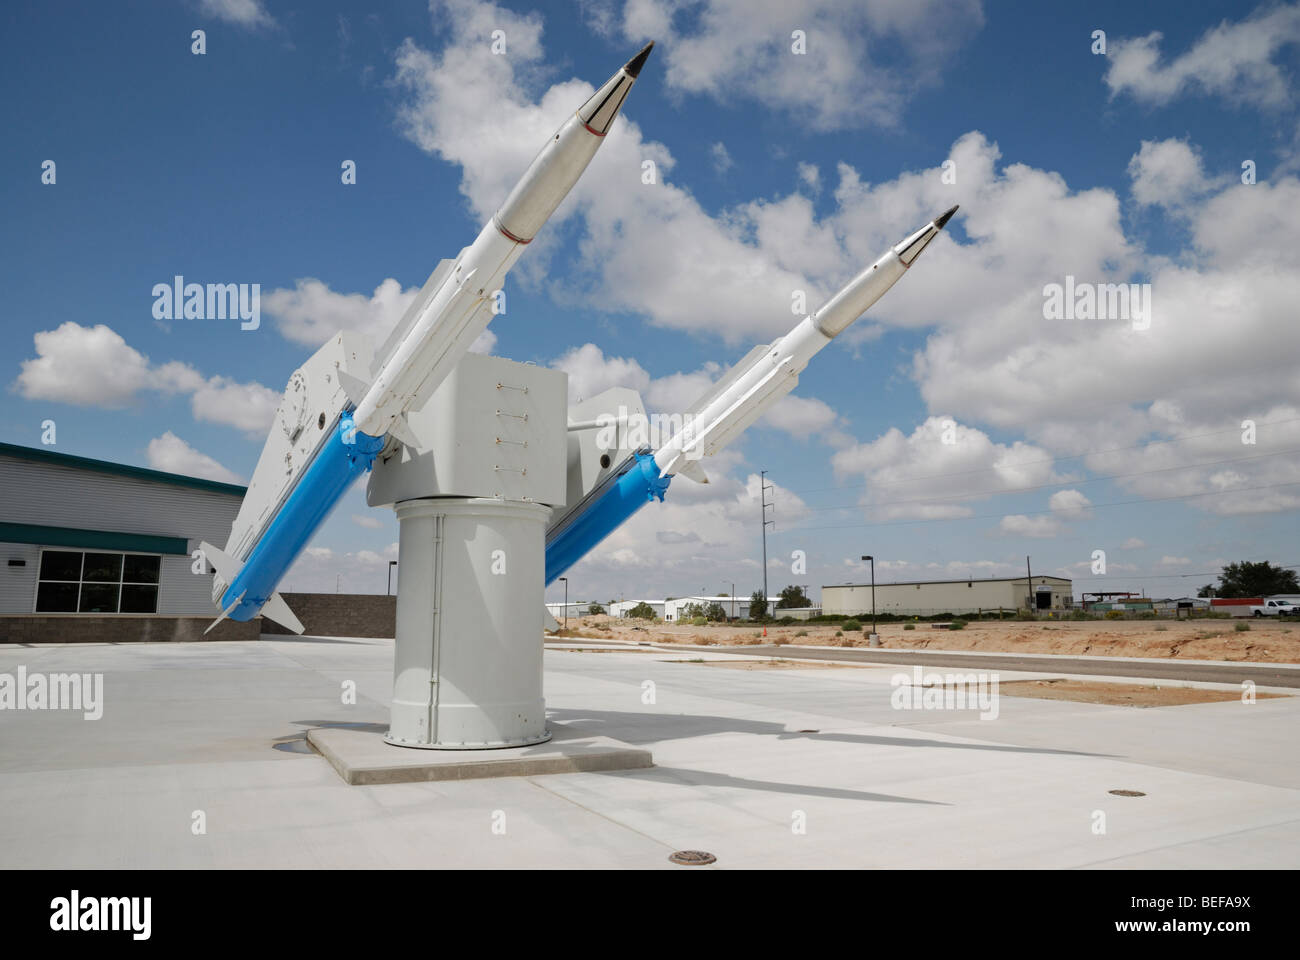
{"type": "Point", "coordinates": [1044, 486]}
{"type": "Point", "coordinates": [987, 516]}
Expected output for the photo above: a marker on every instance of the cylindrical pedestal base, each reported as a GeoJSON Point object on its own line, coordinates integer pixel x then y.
{"type": "Point", "coordinates": [467, 671]}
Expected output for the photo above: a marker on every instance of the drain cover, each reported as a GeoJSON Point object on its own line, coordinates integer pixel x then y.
{"type": "Point", "coordinates": [1128, 793]}
{"type": "Point", "coordinates": [692, 858]}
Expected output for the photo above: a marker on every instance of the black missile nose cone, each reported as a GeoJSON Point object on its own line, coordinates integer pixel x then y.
{"type": "Point", "coordinates": [633, 67]}
{"type": "Point", "coordinates": [941, 220]}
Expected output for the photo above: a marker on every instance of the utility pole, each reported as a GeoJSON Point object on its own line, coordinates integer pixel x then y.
{"type": "Point", "coordinates": [763, 488]}
{"type": "Point", "coordinates": [1029, 584]}
{"type": "Point", "coordinates": [566, 602]}
{"type": "Point", "coordinates": [873, 593]}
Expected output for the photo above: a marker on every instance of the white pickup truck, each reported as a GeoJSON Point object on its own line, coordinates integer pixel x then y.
{"type": "Point", "coordinates": [1275, 608]}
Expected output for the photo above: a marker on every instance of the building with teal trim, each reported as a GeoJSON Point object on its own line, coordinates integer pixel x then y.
{"type": "Point", "coordinates": [90, 538]}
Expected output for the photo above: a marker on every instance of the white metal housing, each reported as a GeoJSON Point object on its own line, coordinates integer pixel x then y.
{"type": "Point", "coordinates": [467, 670]}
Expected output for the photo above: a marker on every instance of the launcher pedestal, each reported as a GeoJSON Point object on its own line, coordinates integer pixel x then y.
{"type": "Point", "coordinates": [467, 670]}
{"type": "Point", "coordinates": [472, 506]}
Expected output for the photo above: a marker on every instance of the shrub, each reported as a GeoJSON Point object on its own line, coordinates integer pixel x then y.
{"type": "Point", "coordinates": [957, 625]}
{"type": "Point", "coordinates": [786, 621]}
{"type": "Point", "coordinates": [642, 611]}
{"type": "Point", "coordinates": [595, 609]}
{"type": "Point", "coordinates": [909, 626]}
{"type": "Point", "coordinates": [699, 622]}
{"type": "Point", "coordinates": [839, 633]}
{"type": "Point", "coordinates": [802, 633]}
{"type": "Point", "coordinates": [851, 624]}
{"type": "Point", "coordinates": [1162, 627]}
{"type": "Point", "coordinates": [1241, 627]}
{"type": "Point", "coordinates": [1114, 614]}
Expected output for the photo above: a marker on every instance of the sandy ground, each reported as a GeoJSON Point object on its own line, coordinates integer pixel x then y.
{"type": "Point", "coordinates": [1120, 694]}
{"type": "Point", "coordinates": [1267, 640]}
{"type": "Point", "coordinates": [1079, 691]}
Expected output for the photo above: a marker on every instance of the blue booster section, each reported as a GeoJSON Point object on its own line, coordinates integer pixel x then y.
{"type": "Point", "coordinates": [633, 490]}
{"type": "Point", "coordinates": [347, 454]}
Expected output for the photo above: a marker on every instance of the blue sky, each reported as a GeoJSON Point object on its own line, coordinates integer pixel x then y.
{"type": "Point", "coordinates": [1120, 167]}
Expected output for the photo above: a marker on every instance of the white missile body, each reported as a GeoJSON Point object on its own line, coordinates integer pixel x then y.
{"type": "Point", "coordinates": [771, 371]}
{"type": "Point", "coordinates": [452, 309]}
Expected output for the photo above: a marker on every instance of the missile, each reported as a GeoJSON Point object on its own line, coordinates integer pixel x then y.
{"type": "Point", "coordinates": [449, 312]}
{"type": "Point", "coordinates": [770, 372]}
{"type": "Point", "coordinates": [731, 405]}
{"type": "Point", "coordinates": [439, 328]}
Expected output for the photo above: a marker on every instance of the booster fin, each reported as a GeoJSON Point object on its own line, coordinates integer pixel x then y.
{"type": "Point", "coordinates": [276, 609]}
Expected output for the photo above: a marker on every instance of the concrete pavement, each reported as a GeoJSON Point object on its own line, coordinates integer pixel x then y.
{"type": "Point", "coordinates": [211, 734]}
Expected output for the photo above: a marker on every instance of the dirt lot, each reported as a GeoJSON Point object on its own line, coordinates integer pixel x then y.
{"type": "Point", "coordinates": [1120, 694]}
{"type": "Point", "coordinates": [1080, 691]}
{"type": "Point", "coordinates": [1267, 640]}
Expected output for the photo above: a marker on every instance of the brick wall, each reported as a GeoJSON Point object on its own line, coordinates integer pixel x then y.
{"type": "Point", "coordinates": [124, 628]}
{"type": "Point", "coordinates": [322, 614]}
{"type": "Point", "coordinates": [341, 615]}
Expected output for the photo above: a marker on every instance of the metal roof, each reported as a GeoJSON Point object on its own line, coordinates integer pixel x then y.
{"type": "Point", "coordinates": [911, 583]}
{"type": "Point", "coordinates": [37, 455]}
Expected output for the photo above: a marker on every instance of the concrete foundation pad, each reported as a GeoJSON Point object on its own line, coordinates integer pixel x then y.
{"type": "Point", "coordinates": [362, 757]}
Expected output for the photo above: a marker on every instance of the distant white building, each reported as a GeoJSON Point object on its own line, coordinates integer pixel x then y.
{"type": "Point", "coordinates": [674, 610]}
{"type": "Point", "coordinates": [924, 597]}
{"type": "Point", "coordinates": [735, 607]}
{"type": "Point", "coordinates": [576, 608]}
{"type": "Point", "coordinates": [1175, 603]}
{"type": "Point", "coordinates": [621, 608]}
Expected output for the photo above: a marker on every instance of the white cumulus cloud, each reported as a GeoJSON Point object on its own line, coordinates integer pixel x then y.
{"type": "Point", "coordinates": [173, 455]}
{"type": "Point", "coordinates": [1232, 60]}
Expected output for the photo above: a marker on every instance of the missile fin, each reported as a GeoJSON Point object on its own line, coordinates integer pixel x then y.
{"type": "Point", "coordinates": [692, 469]}
{"type": "Point", "coordinates": [224, 613]}
{"type": "Point", "coordinates": [276, 609]}
{"type": "Point", "coordinates": [401, 429]}
{"type": "Point", "coordinates": [728, 378]}
{"type": "Point", "coordinates": [354, 387]}
{"type": "Point", "coordinates": [421, 300]}
{"type": "Point", "coordinates": [227, 567]}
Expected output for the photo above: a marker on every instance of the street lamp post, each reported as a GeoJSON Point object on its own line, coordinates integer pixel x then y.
{"type": "Point", "coordinates": [391, 564]}
{"type": "Point", "coordinates": [874, 638]}
{"type": "Point", "coordinates": [566, 602]}
{"type": "Point", "coordinates": [733, 601]}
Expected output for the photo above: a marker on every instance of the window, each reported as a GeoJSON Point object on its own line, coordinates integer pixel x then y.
{"type": "Point", "coordinates": [72, 581]}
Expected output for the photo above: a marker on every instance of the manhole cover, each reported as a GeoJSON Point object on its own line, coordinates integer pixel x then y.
{"type": "Point", "coordinates": [692, 858]}
{"type": "Point", "coordinates": [1128, 793]}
